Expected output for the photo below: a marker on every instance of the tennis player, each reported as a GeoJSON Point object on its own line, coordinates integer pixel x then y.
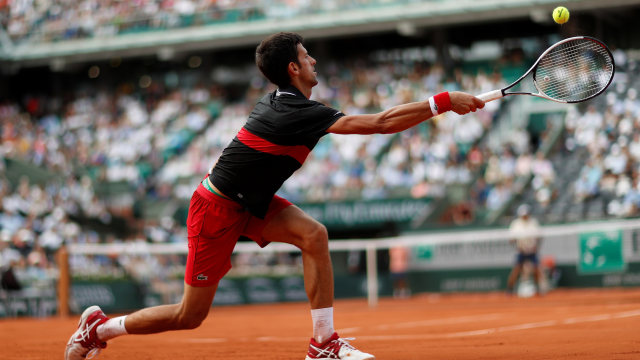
{"type": "Point", "coordinates": [237, 199]}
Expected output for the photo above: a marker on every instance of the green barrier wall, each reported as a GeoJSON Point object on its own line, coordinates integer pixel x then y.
{"type": "Point", "coordinates": [118, 296]}
{"type": "Point", "coordinates": [127, 295]}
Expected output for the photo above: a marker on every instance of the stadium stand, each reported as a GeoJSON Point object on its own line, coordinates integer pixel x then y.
{"type": "Point", "coordinates": [30, 21]}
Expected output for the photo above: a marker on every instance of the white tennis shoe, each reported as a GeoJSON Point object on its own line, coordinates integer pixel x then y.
{"type": "Point", "coordinates": [84, 343]}
{"type": "Point", "coordinates": [335, 348]}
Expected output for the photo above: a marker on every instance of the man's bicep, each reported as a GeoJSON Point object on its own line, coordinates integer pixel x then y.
{"type": "Point", "coordinates": [354, 124]}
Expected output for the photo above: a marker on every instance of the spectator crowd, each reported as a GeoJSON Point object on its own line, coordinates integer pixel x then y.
{"type": "Point", "coordinates": [56, 20]}
{"type": "Point", "coordinates": [609, 131]}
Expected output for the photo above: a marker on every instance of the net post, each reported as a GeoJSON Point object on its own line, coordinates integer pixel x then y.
{"type": "Point", "coordinates": [372, 275]}
{"type": "Point", "coordinates": [64, 283]}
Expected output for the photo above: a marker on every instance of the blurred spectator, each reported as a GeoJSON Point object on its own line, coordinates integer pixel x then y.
{"type": "Point", "coordinates": [399, 267]}
{"type": "Point", "coordinates": [526, 237]}
{"type": "Point", "coordinates": [9, 259]}
{"type": "Point", "coordinates": [588, 183]}
{"type": "Point", "coordinates": [499, 195]}
{"type": "Point", "coordinates": [524, 164]}
{"type": "Point", "coordinates": [543, 178]}
{"type": "Point", "coordinates": [616, 160]}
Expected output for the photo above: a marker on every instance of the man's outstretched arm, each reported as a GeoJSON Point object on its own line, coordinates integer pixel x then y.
{"type": "Point", "coordinates": [402, 117]}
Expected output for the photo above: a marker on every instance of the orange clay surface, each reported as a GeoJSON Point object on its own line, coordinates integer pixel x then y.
{"type": "Point", "coordinates": [564, 324]}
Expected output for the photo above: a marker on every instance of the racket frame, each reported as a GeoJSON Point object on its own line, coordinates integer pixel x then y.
{"type": "Point", "coordinates": [497, 94]}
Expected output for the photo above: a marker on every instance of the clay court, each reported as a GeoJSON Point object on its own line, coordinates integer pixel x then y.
{"type": "Point", "coordinates": [565, 324]}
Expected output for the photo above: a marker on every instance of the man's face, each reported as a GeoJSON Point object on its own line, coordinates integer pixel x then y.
{"type": "Point", "coordinates": [307, 64]}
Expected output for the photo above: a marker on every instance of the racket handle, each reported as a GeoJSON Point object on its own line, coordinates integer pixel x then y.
{"type": "Point", "coordinates": [491, 95]}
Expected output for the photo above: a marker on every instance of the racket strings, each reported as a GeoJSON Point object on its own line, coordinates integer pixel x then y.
{"type": "Point", "coordinates": [574, 71]}
{"type": "Point", "coordinates": [572, 74]}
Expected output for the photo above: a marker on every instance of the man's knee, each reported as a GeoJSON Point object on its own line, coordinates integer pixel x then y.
{"type": "Point", "coordinates": [315, 239]}
{"type": "Point", "coordinates": [190, 318]}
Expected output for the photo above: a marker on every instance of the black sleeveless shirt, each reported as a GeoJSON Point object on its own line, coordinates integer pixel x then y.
{"type": "Point", "coordinates": [282, 129]}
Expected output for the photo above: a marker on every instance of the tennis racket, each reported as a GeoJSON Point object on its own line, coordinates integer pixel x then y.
{"type": "Point", "coordinates": [572, 70]}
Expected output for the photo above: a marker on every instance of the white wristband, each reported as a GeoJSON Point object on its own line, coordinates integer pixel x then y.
{"type": "Point", "coordinates": [433, 106]}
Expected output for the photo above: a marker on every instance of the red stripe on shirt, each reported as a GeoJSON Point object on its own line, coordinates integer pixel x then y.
{"type": "Point", "coordinates": [298, 152]}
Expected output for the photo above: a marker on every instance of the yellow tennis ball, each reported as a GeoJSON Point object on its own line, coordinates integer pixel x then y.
{"type": "Point", "coordinates": [561, 15]}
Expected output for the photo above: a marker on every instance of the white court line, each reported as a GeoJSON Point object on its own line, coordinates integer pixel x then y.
{"type": "Point", "coordinates": [487, 331]}
{"type": "Point", "coordinates": [587, 319]}
{"type": "Point", "coordinates": [602, 317]}
{"type": "Point", "coordinates": [526, 326]}
{"type": "Point", "coordinates": [424, 323]}
{"type": "Point", "coordinates": [463, 333]}
{"type": "Point", "coordinates": [626, 314]}
{"type": "Point", "coordinates": [500, 329]}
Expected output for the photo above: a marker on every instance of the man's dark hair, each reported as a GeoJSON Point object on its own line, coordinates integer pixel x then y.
{"type": "Point", "coordinates": [274, 54]}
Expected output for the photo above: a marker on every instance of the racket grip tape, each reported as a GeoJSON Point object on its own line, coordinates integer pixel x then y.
{"type": "Point", "coordinates": [491, 95]}
{"type": "Point", "coordinates": [440, 103]}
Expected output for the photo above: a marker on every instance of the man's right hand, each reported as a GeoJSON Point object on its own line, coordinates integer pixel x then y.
{"type": "Point", "coordinates": [463, 103]}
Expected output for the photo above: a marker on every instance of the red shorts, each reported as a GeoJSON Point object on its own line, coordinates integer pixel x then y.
{"type": "Point", "coordinates": [214, 225]}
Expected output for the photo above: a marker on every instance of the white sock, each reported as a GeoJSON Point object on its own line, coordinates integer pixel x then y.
{"type": "Point", "coordinates": [111, 328]}
{"type": "Point", "coordinates": [322, 324]}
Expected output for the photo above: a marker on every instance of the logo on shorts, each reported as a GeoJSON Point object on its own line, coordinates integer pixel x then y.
{"type": "Point", "coordinates": [202, 277]}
